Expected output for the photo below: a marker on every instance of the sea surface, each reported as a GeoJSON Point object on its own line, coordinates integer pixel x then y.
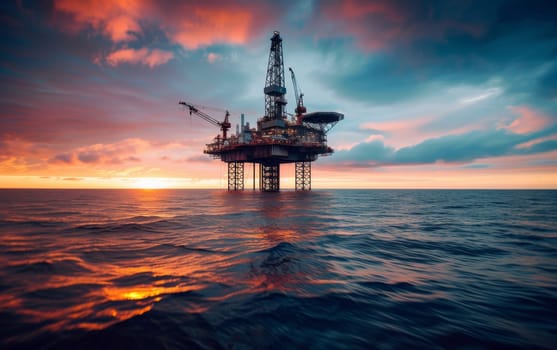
{"type": "Point", "coordinates": [327, 269]}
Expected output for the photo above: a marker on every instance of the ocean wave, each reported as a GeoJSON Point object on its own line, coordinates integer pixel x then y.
{"type": "Point", "coordinates": [321, 270]}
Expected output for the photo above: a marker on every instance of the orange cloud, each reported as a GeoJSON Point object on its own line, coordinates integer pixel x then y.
{"type": "Point", "coordinates": [116, 19]}
{"type": "Point", "coordinates": [528, 120]}
{"type": "Point", "coordinates": [111, 153]}
{"type": "Point", "coordinates": [205, 26]}
{"type": "Point", "coordinates": [189, 24]}
{"type": "Point", "coordinates": [151, 58]}
{"type": "Point", "coordinates": [121, 27]}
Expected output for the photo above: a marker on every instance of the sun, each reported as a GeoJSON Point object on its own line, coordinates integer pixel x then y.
{"type": "Point", "coordinates": [150, 183]}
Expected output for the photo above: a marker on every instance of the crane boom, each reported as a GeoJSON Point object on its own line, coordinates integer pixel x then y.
{"type": "Point", "coordinates": [224, 125]}
{"type": "Point", "coordinates": [300, 108]}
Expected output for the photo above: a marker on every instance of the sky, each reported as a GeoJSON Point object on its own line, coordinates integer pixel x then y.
{"type": "Point", "coordinates": [435, 94]}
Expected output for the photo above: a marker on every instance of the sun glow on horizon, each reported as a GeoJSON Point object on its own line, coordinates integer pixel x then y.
{"type": "Point", "coordinates": [151, 183]}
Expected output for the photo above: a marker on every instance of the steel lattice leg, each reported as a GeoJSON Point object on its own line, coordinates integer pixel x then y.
{"type": "Point", "coordinates": [303, 176]}
{"type": "Point", "coordinates": [270, 178]}
{"type": "Point", "coordinates": [235, 176]}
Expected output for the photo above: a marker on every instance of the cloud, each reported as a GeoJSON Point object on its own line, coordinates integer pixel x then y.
{"type": "Point", "coordinates": [199, 159]}
{"type": "Point", "coordinates": [541, 140]}
{"type": "Point", "coordinates": [213, 57]}
{"type": "Point", "coordinates": [491, 92]}
{"type": "Point", "coordinates": [461, 148]}
{"type": "Point", "coordinates": [380, 24]}
{"type": "Point", "coordinates": [411, 49]}
{"type": "Point", "coordinates": [385, 24]}
{"type": "Point", "coordinates": [114, 153]}
{"type": "Point", "coordinates": [72, 179]}
{"type": "Point", "coordinates": [211, 25]}
{"type": "Point", "coordinates": [528, 120]}
{"type": "Point", "coordinates": [406, 127]}
{"type": "Point", "coordinates": [151, 58]}
{"type": "Point", "coordinates": [117, 19]}
{"type": "Point", "coordinates": [89, 157]}
{"type": "Point", "coordinates": [192, 25]}
{"type": "Point", "coordinates": [67, 158]}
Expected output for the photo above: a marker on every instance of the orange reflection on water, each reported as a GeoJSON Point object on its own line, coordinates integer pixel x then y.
{"type": "Point", "coordinates": [144, 292]}
{"type": "Point", "coordinates": [90, 299]}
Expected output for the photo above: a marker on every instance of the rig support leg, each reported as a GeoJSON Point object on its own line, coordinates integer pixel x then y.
{"type": "Point", "coordinates": [270, 178]}
{"type": "Point", "coordinates": [254, 176]}
{"type": "Point", "coordinates": [303, 176]}
{"type": "Point", "coordinates": [235, 176]}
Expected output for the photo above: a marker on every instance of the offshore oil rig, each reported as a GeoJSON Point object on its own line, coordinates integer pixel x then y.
{"type": "Point", "coordinates": [277, 139]}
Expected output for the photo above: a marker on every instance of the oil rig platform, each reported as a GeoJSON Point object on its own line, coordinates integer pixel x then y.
{"type": "Point", "coordinates": [277, 139]}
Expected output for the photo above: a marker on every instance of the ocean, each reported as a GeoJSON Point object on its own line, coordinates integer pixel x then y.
{"type": "Point", "coordinates": [327, 269]}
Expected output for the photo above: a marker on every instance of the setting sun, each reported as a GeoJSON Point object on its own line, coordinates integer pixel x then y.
{"type": "Point", "coordinates": [151, 183]}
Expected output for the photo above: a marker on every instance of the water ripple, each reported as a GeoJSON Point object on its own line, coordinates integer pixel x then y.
{"type": "Point", "coordinates": [335, 269]}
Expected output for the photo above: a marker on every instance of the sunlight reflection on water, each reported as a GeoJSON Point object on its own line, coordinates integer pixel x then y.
{"type": "Point", "coordinates": [429, 268]}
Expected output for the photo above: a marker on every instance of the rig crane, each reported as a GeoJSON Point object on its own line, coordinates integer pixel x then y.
{"type": "Point", "coordinates": [300, 108]}
{"type": "Point", "coordinates": [224, 125]}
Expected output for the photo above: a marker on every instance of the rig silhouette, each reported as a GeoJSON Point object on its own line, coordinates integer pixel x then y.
{"type": "Point", "coordinates": [276, 140]}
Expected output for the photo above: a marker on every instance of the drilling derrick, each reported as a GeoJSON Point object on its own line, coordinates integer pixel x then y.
{"type": "Point", "coordinates": [276, 140]}
{"type": "Point", "coordinates": [274, 83]}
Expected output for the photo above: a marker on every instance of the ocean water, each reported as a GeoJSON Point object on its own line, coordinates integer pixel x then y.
{"type": "Point", "coordinates": [328, 269]}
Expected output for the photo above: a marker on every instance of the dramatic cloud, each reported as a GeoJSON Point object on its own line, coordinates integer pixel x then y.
{"type": "Point", "coordinates": [451, 148]}
{"type": "Point", "coordinates": [191, 25]}
{"type": "Point", "coordinates": [379, 24]}
{"type": "Point", "coordinates": [414, 47]}
{"type": "Point", "coordinates": [91, 88]}
{"type": "Point", "coordinates": [116, 19]}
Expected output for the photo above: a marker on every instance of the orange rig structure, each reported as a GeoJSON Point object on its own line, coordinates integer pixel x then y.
{"type": "Point", "coordinates": [276, 140]}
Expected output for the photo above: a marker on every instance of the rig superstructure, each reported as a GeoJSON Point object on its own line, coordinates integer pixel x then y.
{"type": "Point", "coordinates": [276, 140]}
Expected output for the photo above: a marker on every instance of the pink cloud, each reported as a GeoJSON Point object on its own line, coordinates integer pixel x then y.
{"type": "Point", "coordinates": [189, 24]}
{"type": "Point", "coordinates": [380, 24]}
{"type": "Point", "coordinates": [401, 132]}
{"type": "Point", "coordinates": [151, 58]}
{"type": "Point", "coordinates": [206, 25]}
{"type": "Point", "coordinates": [121, 28]}
{"type": "Point", "coordinates": [213, 57]}
{"type": "Point", "coordinates": [529, 144]}
{"type": "Point", "coordinates": [528, 120]}
{"type": "Point", "coordinates": [116, 19]}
